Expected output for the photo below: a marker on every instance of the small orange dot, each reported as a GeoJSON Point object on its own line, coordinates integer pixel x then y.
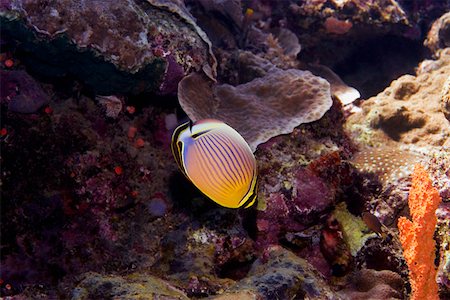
{"type": "Point", "coordinates": [48, 110]}
{"type": "Point", "coordinates": [131, 109]}
{"type": "Point", "coordinates": [9, 63]}
{"type": "Point", "coordinates": [139, 143]}
{"type": "Point", "coordinates": [3, 131]}
{"type": "Point", "coordinates": [8, 286]}
{"type": "Point", "coordinates": [134, 194]}
{"type": "Point", "coordinates": [118, 170]}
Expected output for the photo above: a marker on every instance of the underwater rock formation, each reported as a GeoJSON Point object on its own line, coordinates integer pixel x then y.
{"type": "Point", "coordinates": [373, 284]}
{"type": "Point", "coordinates": [439, 35]}
{"type": "Point", "coordinates": [443, 239]}
{"type": "Point", "coordinates": [280, 274]}
{"type": "Point", "coordinates": [409, 111]}
{"type": "Point", "coordinates": [445, 101]}
{"type": "Point", "coordinates": [113, 47]}
{"type": "Point", "coordinates": [262, 108]}
{"type": "Point", "coordinates": [20, 92]}
{"type": "Point", "coordinates": [138, 286]}
{"type": "Point", "coordinates": [329, 24]}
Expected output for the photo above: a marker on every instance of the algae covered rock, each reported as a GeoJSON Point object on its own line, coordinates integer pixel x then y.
{"type": "Point", "coordinates": [21, 92]}
{"type": "Point", "coordinates": [439, 35]}
{"type": "Point", "coordinates": [133, 286]}
{"type": "Point", "coordinates": [373, 284]}
{"type": "Point", "coordinates": [280, 274]}
{"type": "Point", "coordinates": [410, 111]}
{"type": "Point", "coordinates": [113, 47]}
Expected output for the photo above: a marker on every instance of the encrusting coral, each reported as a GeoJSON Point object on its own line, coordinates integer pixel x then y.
{"type": "Point", "coordinates": [138, 46]}
{"type": "Point", "coordinates": [416, 236]}
{"type": "Point", "coordinates": [262, 108]}
{"type": "Point", "coordinates": [410, 111]}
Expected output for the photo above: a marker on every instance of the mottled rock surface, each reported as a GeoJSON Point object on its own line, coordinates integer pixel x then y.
{"type": "Point", "coordinates": [133, 286]}
{"type": "Point", "coordinates": [374, 285]}
{"type": "Point", "coordinates": [409, 111]}
{"type": "Point", "coordinates": [20, 92]}
{"type": "Point", "coordinates": [443, 238]}
{"type": "Point", "coordinates": [439, 35]}
{"type": "Point", "coordinates": [114, 47]}
{"type": "Point", "coordinates": [282, 275]}
{"type": "Point", "coordinates": [445, 101]}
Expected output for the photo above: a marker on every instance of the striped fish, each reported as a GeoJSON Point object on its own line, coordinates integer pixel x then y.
{"type": "Point", "coordinates": [217, 160]}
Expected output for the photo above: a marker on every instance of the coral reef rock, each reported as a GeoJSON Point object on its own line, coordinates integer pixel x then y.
{"type": "Point", "coordinates": [443, 238]}
{"type": "Point", "coordinates": [409, 111]}
{"type": "Point", "coordinates": [353, 228]}
{"type": "Point", "coordinates": [262, 108]}
{"type": "Point", "coordinates": [20, 92]}
{"type": "Point", "coordinates": [280, 274]}
{"type": "Point", "coordinates": [113, 47]}
{"type": "Point", "coordinates": [445, 101]}
{"type": "Point", "coordinates": [374, 285]}
{"type": "Point", "coordinates": [439, 35]}
{"type": "Point", "coordinates": [133, 286]}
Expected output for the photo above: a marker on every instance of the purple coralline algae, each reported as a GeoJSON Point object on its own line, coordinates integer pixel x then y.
{"type": "Point", "coordinates": [296, 209]}
{"type": "Point", "coordinates": [113, 47]}
{"type": "Point", "coordinates": [20, 92]}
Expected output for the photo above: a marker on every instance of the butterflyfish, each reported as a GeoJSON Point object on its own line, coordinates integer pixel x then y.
{"type": "Point", "coordinates": [217, 160]}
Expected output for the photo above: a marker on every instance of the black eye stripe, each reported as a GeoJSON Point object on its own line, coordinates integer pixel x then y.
{"type": "Point", "coordinates": [194, 136]}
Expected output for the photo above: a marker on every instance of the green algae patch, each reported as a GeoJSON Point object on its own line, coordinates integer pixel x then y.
{"type": "Point", "coordinates": [261, 203]}
{"type": "Point", "coordinates": [353, 228]}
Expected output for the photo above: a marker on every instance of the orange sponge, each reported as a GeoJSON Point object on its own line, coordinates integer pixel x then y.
{"type": "Point", "coordinates": [416, 237]}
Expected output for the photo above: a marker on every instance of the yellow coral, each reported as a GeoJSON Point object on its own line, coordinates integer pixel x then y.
{"type": "Point", "coordinates": [416, 237]}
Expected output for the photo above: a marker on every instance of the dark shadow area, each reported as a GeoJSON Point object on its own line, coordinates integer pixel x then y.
{"type": "Point", "coordinates": [371, 67]}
